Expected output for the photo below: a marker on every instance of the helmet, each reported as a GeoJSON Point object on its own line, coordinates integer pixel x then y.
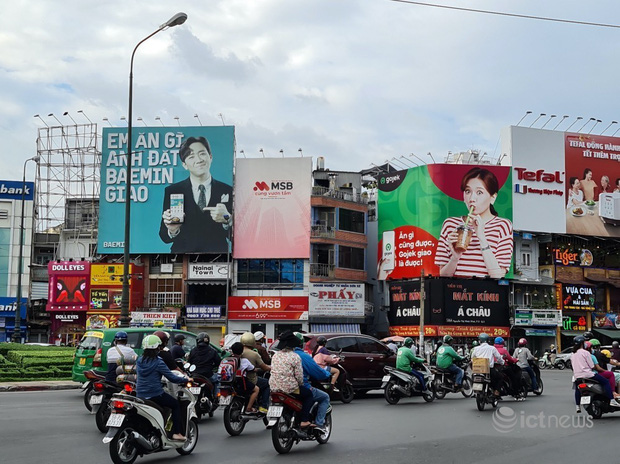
{"type": "Point", "coordinates": [578, 340]}
{"type": "Point", "coordinates": [120, 335]}
{"type": "Point", "coordinates": [606, 353]}
{"type": "Point", "coordinates": [203, 338]}
{"type": "Point", "coordinates": [483, 338]}
{"type": "Point", "coordinates": [248, 339]}
{"type": "Point", "coordinates": [587, 345]}
{"type": "Point", "coordinates": [321, 340]}
{"type": "Point", "coordinates": [475, 343]}
{"type": "Point", "coordinates": [259, 335]}
{"type": "Point", "coordinates": [552, 346]}
{"type": "Point", "coordinates": [408, 342]}
{"type": "Point", "coordinates": [595, 342]}
{"type": "Point", "coordinates": [300, 337]}
{"type": "Point", "coordinates": [163, 336]}
{"type": "Point", "coordinates": [588, 335]}
{"type": "Point", "coordinates": [447, 339]}
{"type": "Point", "coordinates": [150, 342]}
{"type": "Point", "coordinates": [499, 341]}
{"type": "Point", "coordinates": [179, 338]}
{"type": "Point", "coordinates": [522, 341]}
{"type": "Point", "coordinates": [615, 344]}
{"type": "Point", "coordinates": [289, 339]}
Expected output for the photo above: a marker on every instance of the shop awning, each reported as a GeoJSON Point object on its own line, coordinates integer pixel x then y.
{"type": "Point", "coordinates": [575, 282]}
{"type": "Point", "coordinates": [611, 333]}
{"type": "Point", "coordinates": [206, 282]}
{"type": "Point", "coordinates": [333, 328]}
{"type": "Point", "coordinates": [572, 333]}
{"type": "Point", "coordinates": [604, 280]}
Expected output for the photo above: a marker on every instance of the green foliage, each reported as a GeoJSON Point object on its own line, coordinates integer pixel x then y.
{"type": "Point", "coordinates": [31, 362]}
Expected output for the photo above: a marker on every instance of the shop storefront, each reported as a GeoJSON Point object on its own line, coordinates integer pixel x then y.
{"type": "Point", "coordinates": [577, 301]}
{"type": "Point", "coordinates": [539, 326]}
{"type": "Point", "coordinates": [205, 309]}
{"type": "Point", "coordinates": [336, 307]}
{"type": "Point", "coordinates": [8, 305]}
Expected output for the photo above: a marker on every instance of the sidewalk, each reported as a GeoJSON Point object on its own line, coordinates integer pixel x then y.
{"type": "Point", "coordinates": [38, 385]}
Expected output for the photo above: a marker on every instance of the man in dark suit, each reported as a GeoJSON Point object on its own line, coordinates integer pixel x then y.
{"type": "Point", "coordinates": [203, 227]}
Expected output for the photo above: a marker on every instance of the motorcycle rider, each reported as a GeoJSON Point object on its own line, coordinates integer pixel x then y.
{"type": "Point", "coordinates": [150, 369]}
{"type": "Point", "coordinates": [120, 353]}
{"type": "Point", "coordinates": [511, 369]}
{"type": "Point", "coordinates": [445, 360]}
{"type": "Point", "coordinates": [553, 353]}
{"type": "Point", "coordinates": [250, 353]}
{"type": "Point", "coordinates": [474, 344]}
{"type": "Point", "coordinates": [312, 371]}
{"type": "Point", "coordinates": [484, 350]}
{"type": "Point", "coordinates": [261, 348]}
{"type": "Point", "coordinates": [164, 352]}
{"type": "Point", "coordinates": [206, 359]}
{"type": "Point", "coordinates": [404, 360]}
{"type": "Point", "coordinates": [177, 350]}
{"type": "Point", "coordinates": [524, 355]}
{"type": "Point", "coordinates": [325, 360]}
{"type": "Point", "coordinates": [615, 350]}
{"type": "Point", "coordinates": [242, 383]}
{"type": "Point", "coordinates": [600, 362]}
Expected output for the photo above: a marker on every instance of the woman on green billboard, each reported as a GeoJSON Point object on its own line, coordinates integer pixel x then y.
{"type": "Point", "coordinates": [479, 244]}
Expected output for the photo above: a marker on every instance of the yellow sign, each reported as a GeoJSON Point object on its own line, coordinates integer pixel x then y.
{"type": "Point", "coordinates": [94, 334]}
{"type": "Point", "coordinates": [107, 274]}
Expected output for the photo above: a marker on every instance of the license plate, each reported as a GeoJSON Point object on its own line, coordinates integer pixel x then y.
{"type": "Point", "coordinates": [115, 420]}
{"type": "Point", "coordinates": [586, 399]}
{"type": "Point", "coordinates": [96, 399]}
{"type": "Point", "coordinates": [195, 390]}
{"type": "Point", "coordinates": [82, 361]}
{"type": "Point", "coordinates": [225, 400]}
{"type": "Point", "coordinates": [386, 378]}
{"type": "Point", "coordinates": [275, 411]}
{"type": "Point", "coordinates": [478, 387]}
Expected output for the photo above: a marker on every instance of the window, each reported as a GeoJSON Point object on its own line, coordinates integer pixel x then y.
{"type": "Point", "coordinates": [134, 339]}
{"type": "Point", "coordinates": [351, 258]}
{"type": "Point", "coordinates": [526, 259]}
{"type": "Point", "coordinates": [370, 346]}
{"type": "Point", "coordinates": [352, 221]}
{"type": "Point", "coordinates": [346, 344]}
{"type": "Point", "coordinates": [285, 272]}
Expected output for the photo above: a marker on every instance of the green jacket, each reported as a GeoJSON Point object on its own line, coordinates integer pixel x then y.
{"type": "Point", "coordinates": [404, 358]}
{"type": "Point", "coordinates": [446, 356]}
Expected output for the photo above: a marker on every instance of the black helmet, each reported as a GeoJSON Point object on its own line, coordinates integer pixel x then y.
{"type": "Point", "coordinates": [615, 344]}
{"type": "Point", "coordinates": [203, 338]}
{"type": "Point", "coordinates": [179, 338]}
{"type": "Point", "coordinates": [578, 340]}
{"type": "Point", "coordinates": [321, 340]}
{"type": "Point", "coordinates": [588, 335]}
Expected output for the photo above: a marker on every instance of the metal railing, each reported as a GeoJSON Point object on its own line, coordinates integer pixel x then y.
{"type": "Point", "coordinates": [322, 270]}
{"type": "Point", "coordinates": [159, 299]}
{"type": "Point", "coordinates": [340, 194]}
{"type": "Point", "coordinates": [322, 232]}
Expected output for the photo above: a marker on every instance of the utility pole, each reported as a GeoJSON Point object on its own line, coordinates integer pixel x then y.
{"type": "Point", "coordinates": [422, 297]}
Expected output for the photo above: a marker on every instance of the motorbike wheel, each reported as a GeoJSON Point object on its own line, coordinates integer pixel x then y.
{"type": "Point", "coordinates": [494, 402]}
{"type": "Point", "coordinates": [391, 396]}
{"type": "Point", "coordinates": [233, 423]}
{"type": "Point", "coordinates": [595, 410]}
{"type": "Point", "coordinates": [192, 439]}
{"type": "Point", "coordinates": [539, 390]}
{"type": "Point", "coordinates": [542, 365]}
{"type": "Point", "coordinates": [323, 438]}
{"type": "Point", "coordinates": [429, 397]}
{"type": "Point", "coordinates": [439, 392]}
{"type": "Point", "coordinates": [102, 416]}
{"type": "Point", "coordinates": [524, 390]}
{"type": "Point", "coordinates": [569, 365]}
{"type": "Point", "coordinates": [122, 449]}
{"type": "Point", "coordinates": [480, 402]}
{"type": "Point", "coordinates": [87, 394]}
{"type": "Point", "coordinates": [467, 387]}
{"type": "Point", "coordinates": [347, 393]}
{"type": "Point", "coordinates": [560, 365]}
{"type": "Point", "coordinates": [281, 434]}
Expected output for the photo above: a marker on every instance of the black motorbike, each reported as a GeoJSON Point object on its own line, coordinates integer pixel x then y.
{"type": "Point", "coordinates": [519, 392]}
{"type": "Point", "coordinates": [398, 384]}
{"type": "Point", "coordinates": [92, 376]}
{"type": "Point", "coordinates": [343, 390]}
{"type": "Point", "coordinates": [526, 380]}
{"type": "Point", "coordinates": [101, 400]}
{"type": "Point", "coordinates": [593, 398]}
{"type": "Point", "coordinates": [444, 381]}
{"type": "Point", "coordinates": [235, 404]}
{"type": "Point", "coordinates": [204, 390]}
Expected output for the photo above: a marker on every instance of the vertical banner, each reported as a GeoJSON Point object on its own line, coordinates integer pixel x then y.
{"type": "Point", "coordinates": [272, 208]}
{"type": "Point", "coordinates": [69, 287]}
{"type": "Point", "coordinates": [181, 190]}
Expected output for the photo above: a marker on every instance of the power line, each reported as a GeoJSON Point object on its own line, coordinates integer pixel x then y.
{"type": "Point", "coordinates": [512, 15]}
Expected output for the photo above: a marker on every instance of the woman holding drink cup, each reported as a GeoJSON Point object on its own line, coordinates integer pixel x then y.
{"type": "Point", "coordinates": [479, 244]}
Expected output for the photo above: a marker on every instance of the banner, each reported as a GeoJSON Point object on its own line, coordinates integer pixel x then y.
{"type": "Point", "coordinates": [578, 297]}
{"type": "Point", "coordinates": [69, 285]}
{"type": "Point", "coordinates": [605, 321]}
{"type": "Point", "coordinates": [345, 300]}
{"type": "Point", "coordinates": [451, 220]}
{"type": "Point", "coordinates": [268, 308]}
{"type": "Point", "coordinates": [108, 274]}
{"type": "Point", "coordinates": [207, 271]}
{"type": "Point", "coordinates": [181, 189]}
{"type": "Point", "coordinates": [538, 317]}
{"type": "Point", "coordinates": [203, 312]}
{"type": "Point", "coordinates": [151, 319]}
{"type": "Point", "coordinates": [574, 321]}
{"type": "Point", "coordinates": [272, 208]}
{"type": "Point", "coordinates": [564, 182]}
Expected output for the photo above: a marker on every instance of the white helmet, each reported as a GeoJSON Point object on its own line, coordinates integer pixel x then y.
{"type": "Point", "coordinates": [259, 335]}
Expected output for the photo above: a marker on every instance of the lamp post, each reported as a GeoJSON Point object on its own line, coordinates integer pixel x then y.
{"type": "Point", "coordinates": [228, 266]}
{"type": "Point", "coordinates": [17, 332]}
{"type": "Point", "coordinates": [176, 20]}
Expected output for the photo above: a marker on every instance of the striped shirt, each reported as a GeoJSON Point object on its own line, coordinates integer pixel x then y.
{"type": "Point", "coordinates": [498, 232]}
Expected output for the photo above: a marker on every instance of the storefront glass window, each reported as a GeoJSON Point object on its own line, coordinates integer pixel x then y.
{"type": "Point", "coordinates": [289, 272]}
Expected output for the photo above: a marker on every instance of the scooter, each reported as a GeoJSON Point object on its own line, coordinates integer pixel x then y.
{"type": "Point", "coordinates": [343, 390]}
{"type": "Point", "coordinates": [235, 415]}
{"type": "Point", "coordinates": [443, 382]}
{"type": "Point", "coordinates": [101, 400]}
{"type": "Point", "coordinates": [398, 384]}
{"type": "Point", "coordinates": [138, 427]}
{"type": "Point", "coordinates": [204, 390]}
{"type": "Point", "coordinates": [285, 423]}
{"type": "Point", "coordinates": [593, 398]}
{"type": "Point", "coordinates": [545, 362]}
{"type": "Point", "coordinates": [92, 376]}
{"type": "Point", "coordinates": [526, 380]}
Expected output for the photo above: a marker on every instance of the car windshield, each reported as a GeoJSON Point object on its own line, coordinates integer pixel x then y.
{"type": "Point", "coordinates": [90, 343]}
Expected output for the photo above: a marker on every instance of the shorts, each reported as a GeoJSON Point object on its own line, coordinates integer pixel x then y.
{"type": "Point", "coordinates": [328, 369]}
{"type": "Point", "coordinates": [244, 386]}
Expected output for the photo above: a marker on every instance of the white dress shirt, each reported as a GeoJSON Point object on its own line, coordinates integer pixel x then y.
{"type": "Point", "coordinates": [485, 350]}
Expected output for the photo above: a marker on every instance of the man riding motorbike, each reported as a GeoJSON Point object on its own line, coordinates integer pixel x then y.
{"type": "Point", "coordinates": [164, 352]}
{"type": "Point", "coordinates": [249, 352]}
{"type": "Point", "coordinates": [119, 354]}
{"type": "Point", "coordinates": [524, 355]}
{"type": "Point", "coordinates": [445, 360]}
{"type": "Point", "coordinates": [484, 350]}
{"type": "Point", "coordinates": [511, 369]}
{"type": "Point", "coordinates": [205, 358]}
{"type": "Point", "coordinates": [615, 350]}
{"type": "Point", "coordinates": [261, 340]}
{"type": "Point", "coordinates": [177, 350]}
{"type": "Point", "coordinates": [405, 358]}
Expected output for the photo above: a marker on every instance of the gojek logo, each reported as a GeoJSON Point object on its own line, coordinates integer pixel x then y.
{"type": "Point", "coordinates": [262, 186]}
{"type": "Point", "coordinates": [250, 304]}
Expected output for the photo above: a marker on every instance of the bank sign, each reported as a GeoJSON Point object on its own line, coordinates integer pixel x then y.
{"type": "Point", "coordinates": [340, 299]}
{"type": "Point", "coordinates": [268, 308]}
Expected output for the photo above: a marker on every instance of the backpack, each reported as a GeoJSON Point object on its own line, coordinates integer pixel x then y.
{"type": "Point", "coordinates": [228, 369]}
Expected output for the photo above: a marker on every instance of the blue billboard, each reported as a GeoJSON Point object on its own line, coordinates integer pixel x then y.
{"type": "Point", "coordinates": [13, 190]}
{"type": "Point", "coordinates": [181, 189]}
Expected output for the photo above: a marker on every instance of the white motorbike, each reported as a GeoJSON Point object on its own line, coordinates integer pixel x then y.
{"type": "Point", "coordinates": [137, 427]}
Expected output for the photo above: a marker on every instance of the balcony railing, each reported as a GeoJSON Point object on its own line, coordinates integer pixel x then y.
{"type": "Point", "coordinates": [159, 299]}
{"type": "Point", "coordinates": [340, 194]}
{"type": "Point", "coordinates": [321, 270]}
{"type": "Point", "coordinates": [322, 232]}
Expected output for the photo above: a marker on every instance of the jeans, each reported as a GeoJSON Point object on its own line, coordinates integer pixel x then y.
{"type": "Point", "coordinates": [530, 371]}
{"type": "Point", "coordinates": [322, 399]}
{"type": "Point", "coordinates": [263, 395]}
{"type": "Point", "coordinates": [167, 401]}
{"type": "Point", "coordinates": [420, 377]}
{"type": "Point", "coordinates": [215, 380]}
{"type": "Point", "coordinates": [458, 372]}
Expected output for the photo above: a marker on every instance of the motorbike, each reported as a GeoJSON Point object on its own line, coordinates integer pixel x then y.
{"type": "Point", "coordinates": [284, 420]}
{"type": "Point", "coordinates": [545, 362]}
{"type": "Point", "coordinates": [526, 380]}
{"type": "Point", "coordinates": [92, 376]}
{"type": "Point", "coordinates": [100, 400]}
{"type": "Point", "coordinates": [234, 404]}
{"type": "Point", "coordinates": [398, 384]}
{"type": "Point", "coordinates": [483, 391]}
{"type": "Point", "coordinates": [443, 381]}
{"type": "Point", "coordinates": [204, 390]}
{"type": "Point", "coordinates": [344, 388]}
{"type": "Point", "coordinates": [138, 427]}
{"type": "Point", "coordinates": [593, 398]}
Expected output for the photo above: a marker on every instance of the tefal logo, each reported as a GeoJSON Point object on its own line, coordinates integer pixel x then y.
{"type": "Point", "coordinates": [539, 175]}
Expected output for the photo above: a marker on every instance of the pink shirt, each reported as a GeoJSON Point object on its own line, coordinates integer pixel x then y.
{"type": "Point", "coordinates": [582, 364]}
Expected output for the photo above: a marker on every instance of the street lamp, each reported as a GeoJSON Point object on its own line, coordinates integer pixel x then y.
{"type": "Point", "coordinates": [17, 333]}
{"type": "Point", "coordinates": [176, 20]}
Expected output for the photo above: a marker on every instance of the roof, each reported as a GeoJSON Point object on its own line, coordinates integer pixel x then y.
{"type": "Point", "coordinates": [611, 333]}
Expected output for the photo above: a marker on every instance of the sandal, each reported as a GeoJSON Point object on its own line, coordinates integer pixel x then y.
{"type": "Point", "coordinates": [306, 424]}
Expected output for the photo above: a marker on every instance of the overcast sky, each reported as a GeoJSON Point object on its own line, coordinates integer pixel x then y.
{"type": "Point", "coordinates": [355, 81]}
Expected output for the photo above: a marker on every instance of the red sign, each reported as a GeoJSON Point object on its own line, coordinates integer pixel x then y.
{"type": "Point", "coordinates": [472, 331]}
{"type": "Point", "coordinates": [413, 330]}
{"type": "Point", "coordinates": [69, 285]}
{"type": "Point", "coordinates": [268, 307]}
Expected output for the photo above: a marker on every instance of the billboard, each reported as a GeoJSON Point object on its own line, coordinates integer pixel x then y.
{"type": "Point", "coordinates": [268, 308]}
{"type": "Point", "coordinates": [181, 189]}
{"type": "Point", "coordinates": [449, 220]}
{"type": "Point", "coordinates": [342, 299]}
{"type": "Point", "coordinates": [207, 271]}
{"type": "Point", "coordinates": [272, 208]}
{"type": "Point", "coordinates": [69, 285]}
{"type": "Point", "coordinates": [564, 182]}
